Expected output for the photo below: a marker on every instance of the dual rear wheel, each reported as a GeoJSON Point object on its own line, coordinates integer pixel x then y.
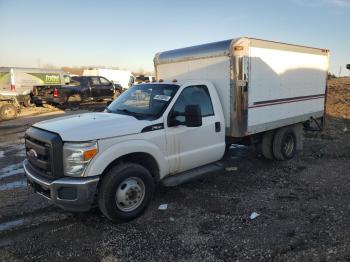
{"type": "Point", "coordinates": [283, 143]}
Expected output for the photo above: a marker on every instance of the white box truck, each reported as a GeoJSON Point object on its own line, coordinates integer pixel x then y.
{"type": "Point", "coordinates": [241, 90]}
{"type": "Point", "coordinates": [20, 81]}
{"type": "Point", "coordinates": [122, 77]}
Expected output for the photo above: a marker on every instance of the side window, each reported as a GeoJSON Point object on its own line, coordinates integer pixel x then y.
{"type": "Point", "coordinates": [95, 81]}
{"type": "Point", "coordinates": [193, 95]}
{"type": "Point", "coordinates": [104, 81]}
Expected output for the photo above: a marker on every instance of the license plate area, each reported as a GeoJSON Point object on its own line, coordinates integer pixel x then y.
{"type": "Point", "coordinates": [40, 190]}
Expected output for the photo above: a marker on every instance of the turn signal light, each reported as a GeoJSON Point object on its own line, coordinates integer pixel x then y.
{"type": "Point", "coordinates": [89, 154]}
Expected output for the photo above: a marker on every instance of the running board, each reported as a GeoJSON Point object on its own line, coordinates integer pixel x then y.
{"type": "Point", "coordinates": [193, 174]}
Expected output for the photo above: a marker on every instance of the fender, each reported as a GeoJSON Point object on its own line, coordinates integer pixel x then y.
{"type": "Point", "coordinates": [117, 150]}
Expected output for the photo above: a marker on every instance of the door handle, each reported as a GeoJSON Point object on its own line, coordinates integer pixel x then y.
{"type": "Point", "coordinates": [217, 127]}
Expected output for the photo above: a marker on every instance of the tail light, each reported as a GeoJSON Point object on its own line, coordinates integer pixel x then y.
{"type": "Point", "coordinates": [55, 92]}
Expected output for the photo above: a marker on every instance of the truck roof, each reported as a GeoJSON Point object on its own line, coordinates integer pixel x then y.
{"type": "Point", "coordinates": [224, 48]}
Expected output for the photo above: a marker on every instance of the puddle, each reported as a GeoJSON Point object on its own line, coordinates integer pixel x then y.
{"type": "Point", "coordinates": [11, 224]}
{"type": "Point", "coordinates": [13, 150]}
{"type": "Point", "coordinates": [11, 170]}
{"type": "Point", "coordinates": [12, 185]}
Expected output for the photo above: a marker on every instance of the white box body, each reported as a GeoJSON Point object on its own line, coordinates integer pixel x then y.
{"type": "Point", "coordinates": [262, 84]}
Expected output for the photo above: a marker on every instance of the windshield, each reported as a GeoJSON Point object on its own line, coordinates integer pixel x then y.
{"type": "Point", "coordinates": [144, 101]}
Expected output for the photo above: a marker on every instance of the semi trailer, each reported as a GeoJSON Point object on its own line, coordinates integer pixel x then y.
{"type": "Point", "coordinates": [174, 130]}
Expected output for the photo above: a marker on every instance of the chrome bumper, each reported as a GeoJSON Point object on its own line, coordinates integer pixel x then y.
{"type": "Point", "coordinates": [72, 194]}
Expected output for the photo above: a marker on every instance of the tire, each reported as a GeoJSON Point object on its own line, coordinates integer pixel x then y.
{"type": "Point", "coordinates": [285, 143]}
{"type": "Point", "coordinates": [27, 101]}
{"type": "Point", "coordinates": [266, 144]}
{"type": "Point", "coordinates": [8, 112]}
{"type": "Point", "coordinates": [125, 192]}
{"type": "Point", "coordinates": [73, 102]}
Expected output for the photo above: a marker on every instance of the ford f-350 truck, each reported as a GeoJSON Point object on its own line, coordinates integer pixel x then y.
{"type": "Point", "coordinates": [207, 97]}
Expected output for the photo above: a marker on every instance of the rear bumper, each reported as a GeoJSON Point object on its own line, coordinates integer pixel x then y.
{"type": "Point", "coordinates": [45, 100]}
{"type": "Point", "coordinates": [72, 194]}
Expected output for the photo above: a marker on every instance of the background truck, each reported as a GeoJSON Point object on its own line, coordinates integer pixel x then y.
{"type": "Point", "coordinates": [81, 89]}
{"type": "Point", "coordinates": [242, 90]}
{"type": "Point", "coordinates": [122, 77]}
{"type": "Point", "coordinates": [21, 81]}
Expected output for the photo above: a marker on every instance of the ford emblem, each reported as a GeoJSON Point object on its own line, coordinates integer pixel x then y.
{"type": "Point", "coordinates": [32, 153]}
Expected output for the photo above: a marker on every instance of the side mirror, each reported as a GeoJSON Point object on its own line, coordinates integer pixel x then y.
{"type": "Point", "coordinates": [193, 116]}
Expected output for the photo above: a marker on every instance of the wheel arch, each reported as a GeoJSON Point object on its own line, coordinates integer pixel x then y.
{"type": "Point", "coordinates": [133, 151]}
{"type": "Point", "coordinates": [144, 159]}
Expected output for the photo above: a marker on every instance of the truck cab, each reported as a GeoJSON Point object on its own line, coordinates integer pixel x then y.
{"type": "Point", "coordinates": [152, 131]}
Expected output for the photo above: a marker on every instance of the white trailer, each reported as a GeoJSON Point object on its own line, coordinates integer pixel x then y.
{"type": "Point", "coordinates": [262, 85]}
{"type": "Point", "coordinates": [20, 81]}
{"type": "Point", "coordinates": [122, 77]}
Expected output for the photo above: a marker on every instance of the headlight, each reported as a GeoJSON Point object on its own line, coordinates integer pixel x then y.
{"type": "Point", "coordinates": [76, 157]}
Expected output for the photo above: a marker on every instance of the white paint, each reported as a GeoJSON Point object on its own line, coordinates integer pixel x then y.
{"type": "Point", "coordinates": [92, 126]}
{"type": "Point", "coordinates": [281, 61]}
{"type": "Point", "coordinates": [216, 70]}
{"type": "Point", "coordinates": [279, 74]}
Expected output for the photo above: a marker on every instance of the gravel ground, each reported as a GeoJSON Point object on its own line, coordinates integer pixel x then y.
{"type": "Point", "coordinates": [303, 206]}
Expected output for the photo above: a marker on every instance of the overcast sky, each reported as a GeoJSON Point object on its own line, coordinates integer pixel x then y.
{"type": "Point", "coordinates": [127, 34]}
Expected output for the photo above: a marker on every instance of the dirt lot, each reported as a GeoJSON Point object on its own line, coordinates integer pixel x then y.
{"type": "Point", "coordinates": [303, 207]}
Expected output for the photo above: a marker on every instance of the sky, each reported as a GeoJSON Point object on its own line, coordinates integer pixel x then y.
{"type": "Point", "coordinates": [127, 34]}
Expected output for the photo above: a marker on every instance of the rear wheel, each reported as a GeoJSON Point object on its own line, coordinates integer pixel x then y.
{"type": "Point", "coordinates": [27, 101]}
{"type": "Point", "coordinates": [285, 143]}
{"type": "Point", "coordinates": [73, 102]}
{"type": "Point", "coordinates": [125, 192]}
{"type": "Point", "coordinates": [8, 111]}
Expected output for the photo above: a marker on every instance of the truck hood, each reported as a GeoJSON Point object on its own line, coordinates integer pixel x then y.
{"type": "Point", "coordinates": [92, 126]}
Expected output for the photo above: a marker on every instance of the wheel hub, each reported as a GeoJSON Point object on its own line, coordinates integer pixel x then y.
{"type": "Point", "coordinates": [130, 194]}
{"type": "Point", "coordinates": [288, 145]}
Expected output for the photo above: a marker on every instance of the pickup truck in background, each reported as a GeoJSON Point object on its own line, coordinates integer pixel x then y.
{"type": "Point", "coordinates": [80, 89]}
{"type": "Point", "coordinates": [243, 90]}
{"type": "Point", "coordinates": [20, 81]}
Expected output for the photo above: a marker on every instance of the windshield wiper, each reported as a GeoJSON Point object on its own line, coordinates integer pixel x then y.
{"type": "Point", "coordinates": [128, 112]}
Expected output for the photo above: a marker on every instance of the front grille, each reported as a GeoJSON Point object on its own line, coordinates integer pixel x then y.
{"type": "Point", "coordinates": [44, 152]}
{"type": "Point", "coordinates": [38, 154]}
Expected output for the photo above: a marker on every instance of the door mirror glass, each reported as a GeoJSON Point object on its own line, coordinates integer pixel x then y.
{"type": "Point", "coordinates": [193, 116]}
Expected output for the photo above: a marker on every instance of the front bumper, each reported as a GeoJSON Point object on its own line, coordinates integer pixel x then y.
{"type": "Point", "coordinates": [72, 194]}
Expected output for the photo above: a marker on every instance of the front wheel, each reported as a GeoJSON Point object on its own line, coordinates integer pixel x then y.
{"type": "Point", "coordinates": [125, 192]}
